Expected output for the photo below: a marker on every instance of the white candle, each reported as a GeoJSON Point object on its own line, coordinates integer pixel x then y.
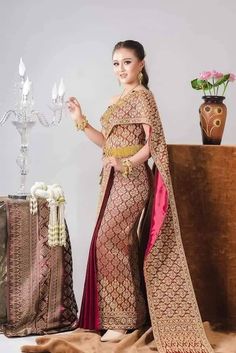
{"type": "Point", "coordinates": [21, 68]}
{"type": "Point", "coordinates": [61, 88]}
{"type": "Point", "coordinates": [54, 92]}
{"type": "Point", "coordinates": [26, 87]}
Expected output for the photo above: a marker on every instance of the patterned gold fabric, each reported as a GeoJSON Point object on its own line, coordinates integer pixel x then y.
{"type": "Point", "coordinates": [41, 275]}
{"type": "Point", "coordinates": [172, 304]}
{"type": "Point", "coordinates": [121, 152]}
{"type": "Point", "coordinates": [121, 301]}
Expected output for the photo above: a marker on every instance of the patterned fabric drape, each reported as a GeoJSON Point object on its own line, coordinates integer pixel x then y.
{"type": "Point", "coordinates": [40, 295]}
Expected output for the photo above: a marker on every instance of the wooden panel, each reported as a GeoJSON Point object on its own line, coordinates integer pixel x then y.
{"type": "Point", "coordinates": [204, 182]}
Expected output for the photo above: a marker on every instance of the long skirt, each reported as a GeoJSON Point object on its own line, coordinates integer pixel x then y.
{"type": "Point", "coordinates": [115, 258]}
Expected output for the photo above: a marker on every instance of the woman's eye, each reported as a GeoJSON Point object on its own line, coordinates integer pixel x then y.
{"type": "Point", "coordinates": [115, 64]}
{"type": "Point", "coordinates": [127, 62]}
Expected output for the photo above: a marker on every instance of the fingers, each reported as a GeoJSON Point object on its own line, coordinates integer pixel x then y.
{"type": "Point", "coordinates": [110, 162]}
{"type": "Point", "coordinates": [73, 100]}
{"type": "Point", "coordinates": [72, 104]}
{"type": "Point", "coordinates": [113, 161]}
{"type": "Point", "coordinates": [106, 161]}
{"type": "Point", "coordinates": [42, 339]}
{"type": "Point", "coordinates": [30, 349]}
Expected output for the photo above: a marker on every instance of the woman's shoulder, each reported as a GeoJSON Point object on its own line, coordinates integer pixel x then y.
{"type": "Point", "coordinates": [141, 88]}
{"type": "Point", "coordinates": [144, 92]}
{"type": "Point", "coordinates": [113, 100]}
{"type": "Point", "coordinates": [144, 95]}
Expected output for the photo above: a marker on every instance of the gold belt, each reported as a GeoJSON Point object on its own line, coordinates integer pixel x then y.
{"type": "Point", "coordinates": [121, 152]}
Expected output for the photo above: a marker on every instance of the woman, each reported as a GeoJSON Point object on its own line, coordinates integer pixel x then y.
{"type": "Point", "coordinates": [132, 203]}
{"type": "Point", "coordinates": [120, 302]}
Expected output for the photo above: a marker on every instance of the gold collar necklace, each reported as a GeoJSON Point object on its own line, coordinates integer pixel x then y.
{"type": "Point", "coordinates": [130, 90]}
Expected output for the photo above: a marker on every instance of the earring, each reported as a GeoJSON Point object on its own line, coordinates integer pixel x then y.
{"type": "Point", "coordinates": [140, 77]}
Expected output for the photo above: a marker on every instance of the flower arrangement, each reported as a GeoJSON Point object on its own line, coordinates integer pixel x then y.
{"type": "Point", "coordinates": [211, 81]}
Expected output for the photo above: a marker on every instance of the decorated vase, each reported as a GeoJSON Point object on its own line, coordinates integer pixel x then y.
{"type": "Point", "coordinates": [212, 119]}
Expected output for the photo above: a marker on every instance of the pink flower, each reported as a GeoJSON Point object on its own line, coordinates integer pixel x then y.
{"type": "Point", "coordinates": [205, 75]}
{"type": "Point", "coordinates": [216, 74]}
{"type": "Point", "coordinates": [232, 77]}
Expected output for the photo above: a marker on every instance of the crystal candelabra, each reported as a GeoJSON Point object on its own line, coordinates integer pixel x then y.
{"type": "Point", "coordinates": [24, 117]}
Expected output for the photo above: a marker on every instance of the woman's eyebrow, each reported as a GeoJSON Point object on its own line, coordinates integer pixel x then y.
{"type": "Point", "coordinates": [124, 59]}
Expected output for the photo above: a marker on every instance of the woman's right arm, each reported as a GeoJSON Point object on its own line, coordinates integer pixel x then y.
{"type": "Point", "coordinates": [76, 113]}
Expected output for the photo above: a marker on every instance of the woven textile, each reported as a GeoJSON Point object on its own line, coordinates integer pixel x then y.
{"type": "Point", "coordinates": [38, 274]}
{"type": "Point", "coordinates": [3, 267]}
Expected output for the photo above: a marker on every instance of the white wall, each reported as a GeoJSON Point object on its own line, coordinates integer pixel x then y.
{"type": "Point", "coordinates": [74, 39]}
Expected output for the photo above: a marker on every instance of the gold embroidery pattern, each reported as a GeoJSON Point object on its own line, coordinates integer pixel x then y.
{"type": "Point", "coordinates": [121, 302]}
{"type": "Point", "coordinates": [175, 317]}
{"type": "Point", "coordinates": [121, 152]}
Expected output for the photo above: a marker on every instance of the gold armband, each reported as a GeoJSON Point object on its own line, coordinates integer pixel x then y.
{"type": "Point", "coordinates": [127, 167]}
{"type": "Point", "coordinates": [83, 124]}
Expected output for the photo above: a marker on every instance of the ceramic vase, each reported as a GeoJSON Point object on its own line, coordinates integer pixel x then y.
{"type": "Point", "coordinates": [212, 119]}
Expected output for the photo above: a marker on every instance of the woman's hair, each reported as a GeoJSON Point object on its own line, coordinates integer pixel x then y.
{"type": "Point", "coordinates": [139, 52]}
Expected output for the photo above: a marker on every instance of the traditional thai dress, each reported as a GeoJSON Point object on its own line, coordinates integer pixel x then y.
{"type": "Point", "coordinates": [113, 297]}
{"type": "Point", "coordinates": [137, 223]}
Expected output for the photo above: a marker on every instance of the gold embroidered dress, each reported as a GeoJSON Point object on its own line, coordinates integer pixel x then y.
{"type": "Point", "coordinates": [113, 296]}
{"type": "Point", "coordinates": [119, 302]}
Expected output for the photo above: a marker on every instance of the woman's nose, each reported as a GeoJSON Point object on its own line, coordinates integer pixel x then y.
{"type": "Point", "coordinates": [122, 67]}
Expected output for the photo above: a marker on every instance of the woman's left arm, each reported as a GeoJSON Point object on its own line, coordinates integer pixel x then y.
{"type": "Point", "coordinates": [144, 153]}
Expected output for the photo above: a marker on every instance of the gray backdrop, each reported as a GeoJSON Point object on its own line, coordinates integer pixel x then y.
{"type": "Point", "coordinates": [74, 39]}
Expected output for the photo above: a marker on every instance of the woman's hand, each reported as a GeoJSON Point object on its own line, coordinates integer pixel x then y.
{"type": "Point", "coordinates": [75, 109]}
{"type": "Point", "coordinates": [113, 162]}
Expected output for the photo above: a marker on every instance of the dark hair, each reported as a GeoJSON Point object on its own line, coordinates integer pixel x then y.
{"type": "Point", "coordinates": [139, 52]}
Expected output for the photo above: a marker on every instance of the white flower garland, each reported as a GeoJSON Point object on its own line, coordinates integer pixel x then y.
{"type": "Point", "coordinates": [56, 202]}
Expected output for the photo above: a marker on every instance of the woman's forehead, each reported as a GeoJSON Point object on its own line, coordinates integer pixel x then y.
{"type": "Point", "coordinates": [123, 53]}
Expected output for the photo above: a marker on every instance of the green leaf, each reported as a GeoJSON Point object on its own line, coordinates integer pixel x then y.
{"type": "Point", "coordinates": [195, 84]}
{"type": "Point", "coordinates": [201, 84]}
{"type": "Point", "coordinates": [221, 80]}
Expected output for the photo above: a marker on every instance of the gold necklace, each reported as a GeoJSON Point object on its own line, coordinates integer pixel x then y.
{"type": "Point", "coordinates": [132, 89]}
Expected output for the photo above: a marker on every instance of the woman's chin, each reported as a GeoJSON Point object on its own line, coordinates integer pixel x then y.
{"type": "Point", "coordinates": [127, 82]}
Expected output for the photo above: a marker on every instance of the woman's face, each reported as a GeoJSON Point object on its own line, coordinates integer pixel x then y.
{"type": "Point", "coordinates": [127, 66]}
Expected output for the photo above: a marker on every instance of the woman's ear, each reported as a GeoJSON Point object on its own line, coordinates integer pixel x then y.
{"type": "Point", "coordinates": [142, 64]}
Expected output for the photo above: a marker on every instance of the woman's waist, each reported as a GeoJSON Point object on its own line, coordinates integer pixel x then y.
{"type": "Point", "coordinates": [121, 151]}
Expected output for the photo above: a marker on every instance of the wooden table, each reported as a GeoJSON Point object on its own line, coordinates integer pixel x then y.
{"type": "Point", "coordinates": [204, 181]}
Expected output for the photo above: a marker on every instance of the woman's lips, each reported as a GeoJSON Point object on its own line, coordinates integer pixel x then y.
{"type": "Point", "coordinates": [123, 75]}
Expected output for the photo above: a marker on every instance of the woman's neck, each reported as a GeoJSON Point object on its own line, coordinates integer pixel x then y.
{"type": "Point", "coordinates": [127, 89]}
{"type": "Point", "coordinates": [129, 86]}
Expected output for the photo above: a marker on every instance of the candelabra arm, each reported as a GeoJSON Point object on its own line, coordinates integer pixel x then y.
{"type": "Point", "coordinates": [7, 115]}
{"type": "Point", "coordinates": [57, 113]}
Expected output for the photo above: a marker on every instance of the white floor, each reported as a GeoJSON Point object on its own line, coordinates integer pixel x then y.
{"type": "Point", "coordinates": [12, 345]}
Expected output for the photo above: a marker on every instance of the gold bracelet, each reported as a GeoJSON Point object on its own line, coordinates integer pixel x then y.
{"type": "Point", "coordinates": [83, 124]}
{"type": "Point", "coordinates": [127, 167]}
